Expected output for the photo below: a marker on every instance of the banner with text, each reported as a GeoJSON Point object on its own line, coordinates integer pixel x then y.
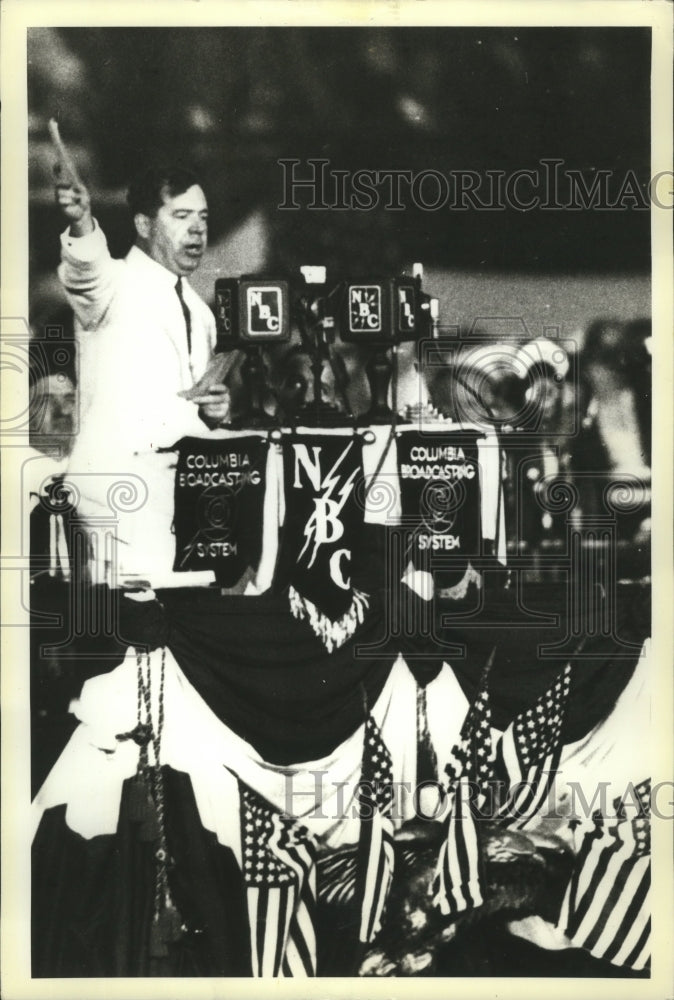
{"type": "Point", "coordinates": [323, 517]}
{"type": "Point", "coordinates": [219, 499]}
{"type": "Point", "coordinates": [440, 500]}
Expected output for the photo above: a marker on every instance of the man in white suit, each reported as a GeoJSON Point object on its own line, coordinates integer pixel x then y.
{"type": "Point", "coordinates": [145, 338]}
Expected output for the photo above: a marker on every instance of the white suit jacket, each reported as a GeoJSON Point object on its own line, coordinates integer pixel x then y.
{"type": "Point", "coordinates": [133, 360]}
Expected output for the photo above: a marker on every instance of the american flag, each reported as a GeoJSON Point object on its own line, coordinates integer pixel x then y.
{"type": "Point", "coordinates": [375, 845]}
{"type": "Point", "coordinates": [527, 757]}
{"type": "Point", "coordinates": [471, 757]}
{"type": "Point", "coordinates": [279, 870]}
{"type": "Point", "coordinates": [458, 882]}
{"type": "Point", "coordinates": [606, 909]}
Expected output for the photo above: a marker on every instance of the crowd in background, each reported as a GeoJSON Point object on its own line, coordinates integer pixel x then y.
{"type": "Point", "coordinates": [415, 99]}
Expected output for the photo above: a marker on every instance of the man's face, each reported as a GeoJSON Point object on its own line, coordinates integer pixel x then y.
{"type": "Point", "coordinates": [176, 236]}
{"type": "Point", "coordinates": [52, 411]}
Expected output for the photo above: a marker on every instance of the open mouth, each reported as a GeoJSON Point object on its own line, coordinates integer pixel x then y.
{"type": "Point", "coordinates": [194, 249]}
{"type": "Point", "coordinates": [61, 425]}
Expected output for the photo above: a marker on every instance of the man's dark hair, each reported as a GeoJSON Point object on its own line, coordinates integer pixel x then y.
{"type": "Point", "coordinates": [146, 193]}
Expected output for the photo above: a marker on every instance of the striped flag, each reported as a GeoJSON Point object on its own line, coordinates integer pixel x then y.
{"type": "Point", "coordinates": [459, 880]}
{"type": "Point", "coordinates": [527, 757]}
{"type": "Point", "coordinates": [606, 909]}
{"type": "Point", "coordinates": [279, 870]}
{"type": "Point", "coordinates": [471, 757]}
{"type": "Point", "coordinates": [375, 845]}
{"type": "Point", "coordinates": [337, 875]}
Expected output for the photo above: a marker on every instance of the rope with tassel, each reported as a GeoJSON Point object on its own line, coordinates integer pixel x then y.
{"type": "Point", "coordinates": [147, 807]}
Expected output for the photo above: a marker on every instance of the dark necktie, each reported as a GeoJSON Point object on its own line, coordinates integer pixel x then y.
{"type": "Point", "coordinates": [186, 314]}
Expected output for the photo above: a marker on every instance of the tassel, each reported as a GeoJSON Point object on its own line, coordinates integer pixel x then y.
{"type": "Point", "coordinates": [142, 809]}
{"type": "Point", "coordinates": [158, 948]}
{"type": "Point", "coordinates": [166, 929]}
{"type": "Point", "coordinates": [141, 805]}
{"type": "Point", "coordinates": [170, 923]}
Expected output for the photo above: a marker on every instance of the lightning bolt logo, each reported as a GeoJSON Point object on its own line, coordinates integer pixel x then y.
{"type": "Point", "coordinates": [324, 525]}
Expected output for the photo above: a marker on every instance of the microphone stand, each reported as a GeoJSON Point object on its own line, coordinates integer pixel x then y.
{"type": "Point", "coordinates": [317, 332]}
{"type": "Point", "coordinates": [253, 376]}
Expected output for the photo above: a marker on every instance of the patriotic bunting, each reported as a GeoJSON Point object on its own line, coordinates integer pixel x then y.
{"type": "Point", "coordinates": [606, 909]}
{"type": "Point", "coordinates": [279, 870]}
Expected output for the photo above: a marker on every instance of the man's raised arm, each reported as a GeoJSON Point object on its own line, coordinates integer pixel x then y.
{"type": "Point", "coordinates": [75, 205]}
{"type": "Point", "coordinates": [87, 270]}
{"type": "Point", "coordinates": [71, 194]}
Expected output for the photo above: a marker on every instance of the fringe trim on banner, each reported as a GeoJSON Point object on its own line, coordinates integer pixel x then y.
{"type": "Point", "coordinates": [332, 634]}
{"type": "Point", "coordinates": [460, 589]}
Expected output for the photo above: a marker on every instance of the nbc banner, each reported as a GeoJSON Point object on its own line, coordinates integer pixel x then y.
{"type": "Point", "coordinates": [323, 520]}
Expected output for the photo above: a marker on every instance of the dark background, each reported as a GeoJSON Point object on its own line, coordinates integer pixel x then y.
{"type": "Point", "coordinates": [232, 101]}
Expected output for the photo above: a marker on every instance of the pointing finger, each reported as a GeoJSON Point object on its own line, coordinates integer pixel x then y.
{"type": "Point", "coordinates": [65, 168]}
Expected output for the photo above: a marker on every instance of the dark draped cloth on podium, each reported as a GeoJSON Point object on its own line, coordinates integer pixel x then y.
{"type": "Point", "coordinates": [93, 899]}
{"type": "Point", "coordinates": [533, 641]}
{"type": "Point", "coordinates": [270, 679]}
